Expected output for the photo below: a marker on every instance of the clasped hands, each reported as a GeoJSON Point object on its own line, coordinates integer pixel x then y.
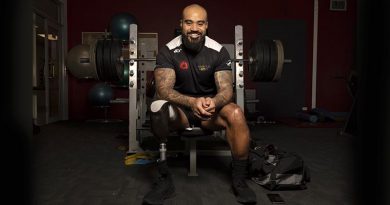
{"type": "Point", "coordinates": [203, 108]}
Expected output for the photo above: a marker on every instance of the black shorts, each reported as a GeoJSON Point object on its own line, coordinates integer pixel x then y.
{"type": "Point", "coordinates": [192, 119]}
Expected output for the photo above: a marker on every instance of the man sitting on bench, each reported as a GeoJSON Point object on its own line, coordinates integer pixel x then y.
{"type": "Point", "coordinates": [193, 79]}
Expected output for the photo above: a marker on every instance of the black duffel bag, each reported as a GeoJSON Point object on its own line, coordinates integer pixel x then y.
{"type": "Point", "coordinates": [275, 169]}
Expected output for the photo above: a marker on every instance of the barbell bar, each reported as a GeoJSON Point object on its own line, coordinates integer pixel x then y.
{"type": "Point", "coordinates": [250, 60]}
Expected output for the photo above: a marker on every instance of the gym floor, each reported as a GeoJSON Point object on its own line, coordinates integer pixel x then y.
{"type": "Point", "coordinates": [81, 163]}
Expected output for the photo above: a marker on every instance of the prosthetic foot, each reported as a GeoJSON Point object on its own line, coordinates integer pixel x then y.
{"type": "Point", "coordinates": [163, 188]}
{"type": "Point", "coordinates": [244, 194]}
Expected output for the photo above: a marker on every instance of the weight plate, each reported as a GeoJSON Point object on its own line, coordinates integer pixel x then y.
{"type": "Point", "coordinates": [263, 75]}
{"type": "Point", "coordinates": [273, 60]}
{"type": "Point", "coordinates": [116, 53]}
{"type": "Point", "coordinates": [99, 58]}
{"type": "Point", "coordinates": [253, 64]}
{"type": "Point", "coordinates": [106, 60]}
{"type": "Point", "coordinates": [280, 62]}
{"type": "Point", "coordinates": [92, 57]}
{"type": "Point", "coordinates": [110, 66]}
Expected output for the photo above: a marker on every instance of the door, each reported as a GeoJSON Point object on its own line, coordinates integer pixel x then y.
{"type": "Point", "coordinates": [39, 67]}
{"type": "Point", "coordinates": [47, 67]}
{"type": "Point", "coordinates": [54, 67]}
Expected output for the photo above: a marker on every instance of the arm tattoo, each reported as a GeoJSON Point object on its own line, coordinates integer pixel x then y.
{"type": "Point", "coordinates": [223, 81]}
{"type": "Point", "coordinates": [165, 81]}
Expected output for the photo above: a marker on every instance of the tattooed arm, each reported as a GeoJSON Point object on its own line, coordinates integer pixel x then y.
{"type": "Point", "coordinates": [223, 81]}
{"type": "Point", "coordinates": [165, 80]}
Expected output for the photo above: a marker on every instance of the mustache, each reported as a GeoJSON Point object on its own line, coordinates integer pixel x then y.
{"type": "Point", "coordinates": [194, 32]}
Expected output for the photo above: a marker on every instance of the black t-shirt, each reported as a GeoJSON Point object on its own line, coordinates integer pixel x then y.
{"type": "Point", "coordinates": [194, 73]}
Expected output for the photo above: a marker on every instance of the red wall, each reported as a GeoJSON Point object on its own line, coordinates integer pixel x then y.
{"type": "Point", "coordinates": [336, 39]}
{"type": "Point", "coordinates": [336, 52]}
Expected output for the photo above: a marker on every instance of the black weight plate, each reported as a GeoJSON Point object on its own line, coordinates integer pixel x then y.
{"type": "Point", "coordinates": [274, 60]}
{"type": "Point", "coordinates": [116, 53]}
{"type": "Point", "coordinates": [106, 60]}
{"type": "Point", "coordinates": [111, 68]}
{"type": "Point", "coordinates": [253, 65]}
{"type": "Point", "coordinates": [259, 52]}
{"type": "Point", "coordinates": [280, 60]}
{"type": "Point", "coordinates": [265, 65]}
{"type": "Point", "coordinates": [110, 65]}
{"type": "Point", "coordinates": [102, 70]}
{"type": "Point", "coordinates": [99, 58]}
{"type": "Point", "coordinates": [260, 59]}
{"type": "Point", "coordinates": [267, 74]}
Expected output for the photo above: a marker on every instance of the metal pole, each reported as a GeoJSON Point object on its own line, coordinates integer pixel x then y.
{"type": "Point", "coordinates": [239, 69]}
{"type": "Point", "coordinates": [314, 73]}
{"type": "Point", "coordinates": [133, 112]}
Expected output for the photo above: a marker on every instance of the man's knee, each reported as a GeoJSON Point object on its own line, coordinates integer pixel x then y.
{"type": "Point", "coordinates": [233, 113]}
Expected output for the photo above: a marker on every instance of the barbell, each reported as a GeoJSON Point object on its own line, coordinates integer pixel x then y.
{"type": "Point", "coordinates": [265, 60]}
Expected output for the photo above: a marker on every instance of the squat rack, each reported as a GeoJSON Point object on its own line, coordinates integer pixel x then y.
{"type": "Point", "coordinates": [137, 98]}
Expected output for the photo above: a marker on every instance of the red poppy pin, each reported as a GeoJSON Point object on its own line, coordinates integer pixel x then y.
{"type": "Point", "coordinates": [184, 65]}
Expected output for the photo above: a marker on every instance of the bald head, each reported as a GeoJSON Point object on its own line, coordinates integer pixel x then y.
{"type": "Point", "coordinates": [194, 10]}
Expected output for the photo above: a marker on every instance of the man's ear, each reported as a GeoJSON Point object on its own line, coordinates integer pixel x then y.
{"type": "Point", "coordinates": [181, 23]}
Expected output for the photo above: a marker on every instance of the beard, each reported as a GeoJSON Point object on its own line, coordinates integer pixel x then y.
{"type": "Point", "coordinates": [196, 45]}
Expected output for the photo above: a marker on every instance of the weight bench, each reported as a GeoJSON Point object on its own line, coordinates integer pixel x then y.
{"type": "Point", "coordinates": [191, 136]}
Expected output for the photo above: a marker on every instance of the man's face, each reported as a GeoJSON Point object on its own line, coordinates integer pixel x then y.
{"type": "Point", "coordinates": [194, 25]}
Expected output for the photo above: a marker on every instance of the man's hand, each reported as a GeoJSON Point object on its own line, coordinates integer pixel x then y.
{"type": "Point", "coordinates": [203, 108]}
{"type": "Point", "coordinates": [209, 106]}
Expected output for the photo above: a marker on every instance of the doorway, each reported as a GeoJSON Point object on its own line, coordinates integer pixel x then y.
{"type": "Point", "coordinates": [49, 77]}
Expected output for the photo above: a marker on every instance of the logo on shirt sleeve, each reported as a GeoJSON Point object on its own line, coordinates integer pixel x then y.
{"type": "Point", "coordinates": [229, 63]}
{"type": "Point", "coordinates": [183, 65]}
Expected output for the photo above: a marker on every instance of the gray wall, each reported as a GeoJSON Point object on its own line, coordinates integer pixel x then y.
{"type": "Point", "coordinates": [285, 97]}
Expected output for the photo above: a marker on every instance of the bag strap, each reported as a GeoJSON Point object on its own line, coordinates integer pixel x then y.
{"type": "Point", "coordinates": [265, 149]}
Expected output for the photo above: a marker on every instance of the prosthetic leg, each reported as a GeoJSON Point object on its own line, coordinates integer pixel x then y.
{"type": "Point", "coordinates": [162, 113]}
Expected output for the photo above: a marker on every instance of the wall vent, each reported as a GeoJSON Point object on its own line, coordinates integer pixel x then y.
{"type": "Point", "coordinates": [338, 5]}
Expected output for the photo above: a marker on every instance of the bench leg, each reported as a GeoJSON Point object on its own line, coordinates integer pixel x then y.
{"type": "Point", "coordinates": [192, 146]}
